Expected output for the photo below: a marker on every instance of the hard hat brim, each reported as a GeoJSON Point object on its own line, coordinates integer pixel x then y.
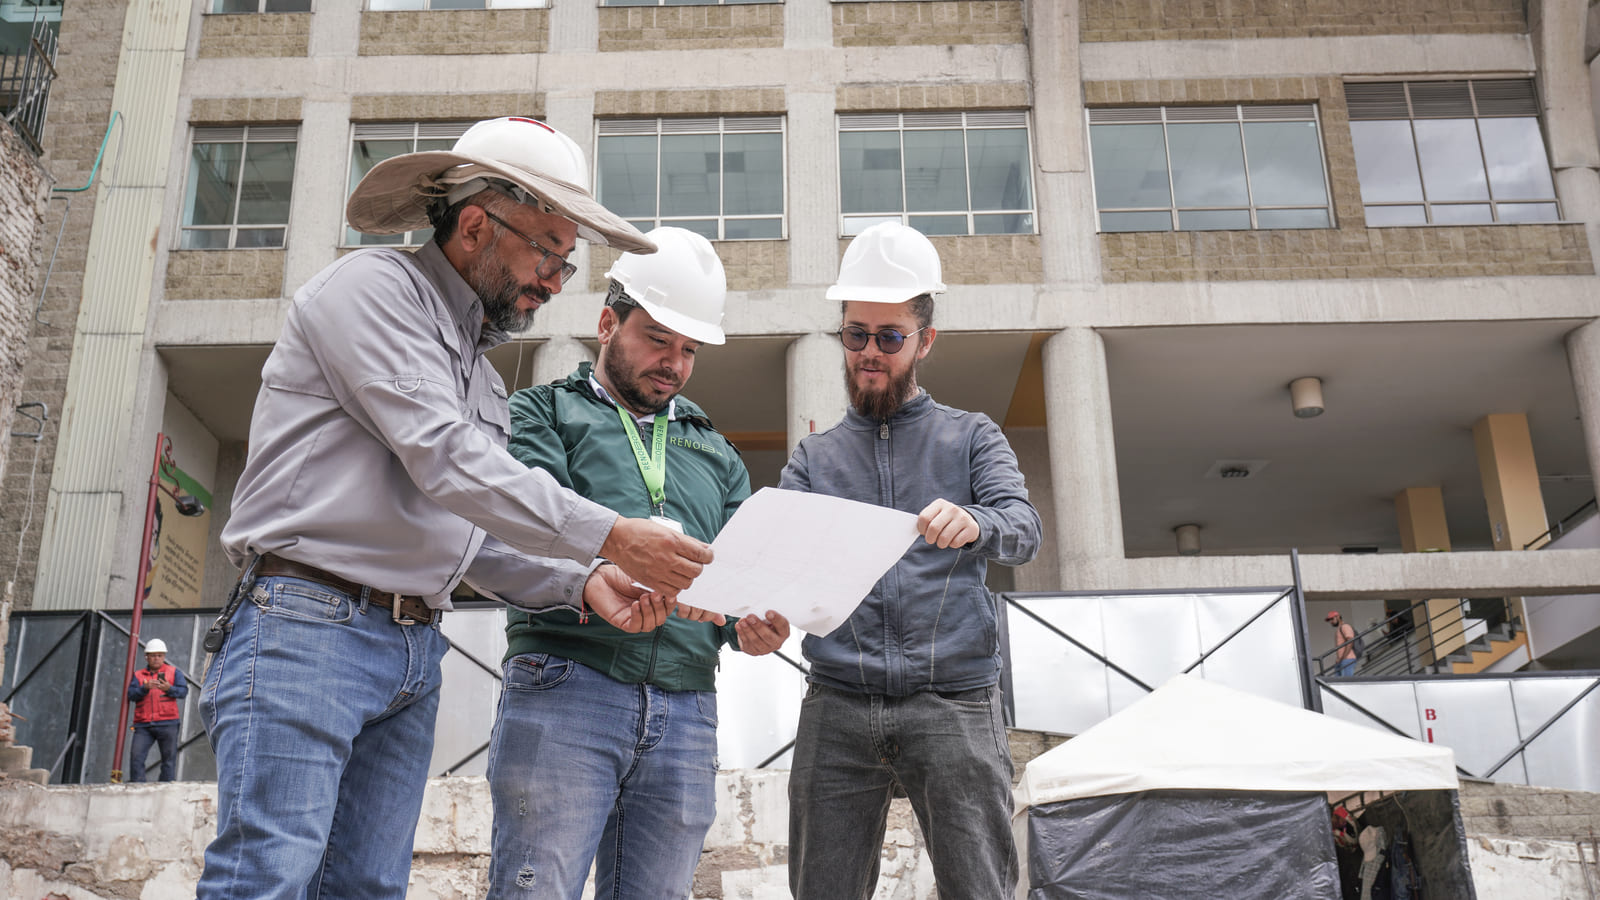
{"type": "Point", "coordinates": [878, 295]}
{"type": "Point", "coordinates": [393, 198]}
{"type": "Point", "coordinates": [691, 328]}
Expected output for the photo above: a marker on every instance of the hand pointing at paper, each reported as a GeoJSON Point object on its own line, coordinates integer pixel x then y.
{"type": "Point", "coordinates": [655, 555]}
{"type": "Point", "coordinates": [946, 524]}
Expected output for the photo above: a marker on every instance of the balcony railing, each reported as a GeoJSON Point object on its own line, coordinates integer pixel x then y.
{"type": "Point", "coordinates": [25, 80]}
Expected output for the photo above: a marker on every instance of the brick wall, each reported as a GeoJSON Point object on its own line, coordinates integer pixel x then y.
{"type": "Point", "coordinates": [1153, 20]}
{"type": "Point", "coordinates": [444, 107]}
{"type": "Point", "coordinates": [691, 27]}
{"type": "Point", "coordinates": [224, 274]}
{"type": "Point", "coordinates": [738, 101]}
{"type": "Point", "coordinates": [244, 110]}
{"type": "Point", "coordinates": [80, 108]}
{"type": "Point", "coordinates": [900, 97]}
{"type": "Point", "coordinates": [24, 192]}
{"type": "Point", "coordinates": [986, 258]}
{"type": "Point", "coordinates": [1517, 810]}
{"type": "Point", "coordinates": [434, 32]}
{"type": "Point", "coordinates": [254, 34]}
{"type": "Point", "coordinates": [940, 22]}
{"type": "Point", "coordinates": [750, 265]}
{"type": "Point", "coordinates": [1352, 250]}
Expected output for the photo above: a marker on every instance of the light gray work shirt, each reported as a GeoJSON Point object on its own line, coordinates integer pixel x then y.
{"type": "Point", "coordinates": [377, 448]}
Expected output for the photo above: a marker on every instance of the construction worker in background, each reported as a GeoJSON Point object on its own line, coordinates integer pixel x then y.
{"type": "Point", "coordinates": [377, 480]}
{"type": "Point", "coordinates": [154, 692]}
{"type": "Point", "coordinates": [903, 697]}
{"type": "Point", "coordinates": [598, 727]}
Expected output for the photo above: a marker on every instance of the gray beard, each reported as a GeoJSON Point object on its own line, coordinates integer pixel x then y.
{"type": "Point", "coordinates": [498, 291]}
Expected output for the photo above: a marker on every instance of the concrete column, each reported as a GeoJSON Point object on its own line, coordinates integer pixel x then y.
{"type": "Point", "coordinates": [807, 25]}
{"type": "Point", "coordinates": [318, 175]}
{"type": "Point", "coordinates": [1583, 358]}
{"type": "Point", "coordinates": [1557, 29]}
{"type": "Point", "coordinates": [1083, 461]}
{"type": "Point", "coordinates": [1510, 479]}
{"type": "Point", "coordinates": [815, 378]}
{"type": "Point", "coordinates": [1423, 529]}
{"type": "Point", "coordinates": [1063, 191]}
{"type": "Point", "coordinates": [574, 27]}
{"type": "Point", "coordinates": [813, 162]}
{"type": "Point", "coordinates": [556, 358]}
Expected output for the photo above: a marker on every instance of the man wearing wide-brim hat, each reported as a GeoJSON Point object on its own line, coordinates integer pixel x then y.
{"type": "Point", "coordinates": [377, 480]}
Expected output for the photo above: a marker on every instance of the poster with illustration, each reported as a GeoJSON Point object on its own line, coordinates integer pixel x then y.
{"type": "Point", "coordinates": [177, 545]}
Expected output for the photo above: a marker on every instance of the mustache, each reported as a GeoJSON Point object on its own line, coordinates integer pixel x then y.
{"type": "Point", "coordinates": [664, 375]}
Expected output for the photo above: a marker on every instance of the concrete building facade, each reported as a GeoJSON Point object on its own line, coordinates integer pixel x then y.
{"type": "Point", "coordinates": [1157, 216]}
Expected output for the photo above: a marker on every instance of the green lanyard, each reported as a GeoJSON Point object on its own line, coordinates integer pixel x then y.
{"type": "Point", "coordinates": [652, 466]}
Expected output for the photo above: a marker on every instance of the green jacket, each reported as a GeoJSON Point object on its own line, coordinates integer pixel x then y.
{"type": "Point", "coordinates": [565, 429]}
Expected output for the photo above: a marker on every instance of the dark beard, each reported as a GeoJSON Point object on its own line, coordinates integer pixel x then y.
{"type": "Point", "coordinates": [622, 385]}
{"type": "Point", "coordinates": [880, 405]}
{"type": "Point", "coordinates": [499, 291]}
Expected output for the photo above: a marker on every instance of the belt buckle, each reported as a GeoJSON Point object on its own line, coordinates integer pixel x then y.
{"type": "Point", "coordinates": [394, 612]}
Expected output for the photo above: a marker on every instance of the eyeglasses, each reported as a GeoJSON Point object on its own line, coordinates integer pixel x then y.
{"type": "Point", "coordinates": [545, 268]}
{"type": "Point", "coordinates": [889, 340]}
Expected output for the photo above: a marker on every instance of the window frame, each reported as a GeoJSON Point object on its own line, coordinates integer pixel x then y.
{"type": "Point", "coordinates": [390, 131]}
{"type": "Point", "coordinates": [1261, 113]}
{"type": "Point", "coordinates": [427, 6]}
{"type": "Point", "coordinates": [1528, 109]}
{"type": "Point", "coordinates": [260, 9]}
{"type": "Point", "coordinates": [604, 4]}
{"type": "Point", "coordinates": [662, 126]}
{"type": "Point", "coordinates": [248, 134]}
{"type": "Point", "coordinates": [937, 120]}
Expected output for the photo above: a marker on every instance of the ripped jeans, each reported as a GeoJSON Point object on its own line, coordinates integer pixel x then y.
{"type": "Point", "coordinates": [583, 768]}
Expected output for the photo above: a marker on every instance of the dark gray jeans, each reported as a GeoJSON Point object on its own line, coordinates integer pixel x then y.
{"type": "Point", "coordinates": [948, 754]}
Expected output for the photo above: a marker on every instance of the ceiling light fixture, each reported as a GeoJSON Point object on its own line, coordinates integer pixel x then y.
{"type": "Point", "coordinates": [1188, 539]}
{"type": "Point", "coordinates": [1306, 395]}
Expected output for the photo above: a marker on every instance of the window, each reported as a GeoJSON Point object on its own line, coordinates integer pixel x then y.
{"type": "Point", "coordinates": [1208, 168]}
{"type": "Point", "coordinates": [260, 6]}
{"type": "Point", "coordinates": [721, 178]}
{"type": "Point", "coordinates": [1450, 152]}
{"type": "Point", "coordinates": [679, 2]}
{"type": "Point", "coordinates": [385, 5]}
{"type": "Point", "coordinates": [372, 144]}
{"type": "Point", "coordinates": [939, 172]}
{"type": "Point", "coordinates": [239, 183]}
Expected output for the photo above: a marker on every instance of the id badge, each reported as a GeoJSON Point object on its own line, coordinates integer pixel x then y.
{"type": "Point", "coordinates": [674, 524]}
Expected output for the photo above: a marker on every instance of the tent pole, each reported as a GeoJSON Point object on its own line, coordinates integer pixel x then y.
{"type": "Point", "coordinates": [1310, 694]}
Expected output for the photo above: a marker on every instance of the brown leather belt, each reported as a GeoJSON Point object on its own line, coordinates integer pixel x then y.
{"type": "Point", "coordinates": [405, 610]}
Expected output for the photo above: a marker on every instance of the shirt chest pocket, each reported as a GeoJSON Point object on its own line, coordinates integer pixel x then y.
{"type": "Point", "coordinates": [493, 416]}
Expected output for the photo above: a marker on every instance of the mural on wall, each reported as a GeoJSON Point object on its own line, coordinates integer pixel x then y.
{"type": "Point", "coordinates": [177, 546]}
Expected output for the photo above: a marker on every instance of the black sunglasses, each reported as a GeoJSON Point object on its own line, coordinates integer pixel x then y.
{"type": "Point", "coordinates": [889, 341]}
{"type": "Point", "coordinates": [545, 268]}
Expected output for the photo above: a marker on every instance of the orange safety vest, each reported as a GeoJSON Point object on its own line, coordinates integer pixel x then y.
{"type": "Point", "coordinates": [156, 706]}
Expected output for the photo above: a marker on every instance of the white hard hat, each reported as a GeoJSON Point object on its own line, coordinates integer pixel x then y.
{"type": "Point", "coordinates": [888, 263]}
{"type": "Point", "coordinates": [540, 165]}
{"type": "Point", "coordinates": [155, 645]}
{"type": "Point", "coordinates": [681, 285]}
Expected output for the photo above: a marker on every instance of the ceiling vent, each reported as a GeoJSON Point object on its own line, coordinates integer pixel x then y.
{"type": "Point", "coordinates": [1236, 469]}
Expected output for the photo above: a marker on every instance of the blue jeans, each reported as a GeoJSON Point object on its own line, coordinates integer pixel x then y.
{"type": "Point", "coordinates": [164, 735]}
{"type": "Point", "coordinates": [580, 761]}
{"type": "Point", "coordinates": [321, 714]}
{"type": "Point", "coordinates": [948, 753]}
{"type": "Point", "coordinates": [1347, 667]}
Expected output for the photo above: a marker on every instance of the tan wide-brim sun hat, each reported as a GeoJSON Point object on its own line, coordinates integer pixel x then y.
{"type": "Point", "coordinates": [394, 197]}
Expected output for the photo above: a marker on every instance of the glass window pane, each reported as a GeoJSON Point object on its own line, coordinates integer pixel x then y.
{"type": "Point", "coordinates": [1452, 167]}
{"type": "Point", "coordinates": [457, 4]}
{"type": "Point", "coordinates": [1460, 213]}
{"type": "Point", "coordinates": [1528, 212]}
{"type": "Point", "coordinates": [354, 238]}
{"type": "Point", "coordinates": [1381, 216]}
{"type": "Point", "coordinates": [1130, 167]}
{"type": "Point", "coordinates": [690, 175]}
{"type": "Point", "coordinates": [1517, 165]}
{"type": "Point", "coordinates": [1285, 160]}
{"type": "Point", "coordinates": [854, 225]}
{"type": "Point", "coordinates": [436, 144]}
{"type": "Point", "coordinates": [939, 224]}
{"type": "Point", "coordinates": [213, 184]}
{"type": "Point", "coordinates": [1386, 162]}
{"type": "Point", "coordinates": [629, 3]}
{"type": "Point", "coordinates": [205, 239]}
{"type": "Point", "coordinates": [1213, 220]}
{"type": "Point", "coordinates": [287, 6]}
{"type": "Point", "coordinates": [366, 154]}
{"type": "Point", "coordinates": [258, 238]}
{"type": "Point", "coordinates": [419, 237]}
{"type": "Point", "coordinates": [936, 171]}
{"type": "Point", "coordinates": [235, 6]}
{"type": "Point", "coordinates": [625, 180]}
{"type": "Point", "coordinates": [1006, 223]}
{"type": "Point", "coordinates": [998, 161]}
{"type": "Point", "coordinates": [1288, 218]}
{"type": "Point", "coordinates": [706, 228]}
{"type": "Point", "coordinates": [869, 171]}
{"type": "Point", "coordinates": [753, 229]}
{"type": "Point", "coordinates": [752, 174]}
{"type": "Point", "coordinates": [268, 178]}
{"type": "Point", "coordinates": [1135, 221]}
{"type": "Point", "coordinates": [1207, 165]}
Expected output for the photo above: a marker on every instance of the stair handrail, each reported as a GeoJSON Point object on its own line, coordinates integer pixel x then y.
{"type": "Point", "coordinates": [1394, 644]}
{"type": "Point", "coordinates": [1560, 528]}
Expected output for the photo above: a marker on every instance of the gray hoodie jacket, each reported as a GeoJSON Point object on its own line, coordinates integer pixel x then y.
{"type": "Point", "coordinates": [929, 624]}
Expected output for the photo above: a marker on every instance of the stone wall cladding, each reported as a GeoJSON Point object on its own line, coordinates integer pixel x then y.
{"type": "Point", "coordinates": [255, 34]}
{"type": "Point", "coordinates": [722, 27]}
{"type": "Point", "coordinates": [1351, 250]}
{"type": "Point", "coordinates": [1517, 810]}
{"type": "Point", "coordinates": [986, 258]}
{"type": "Point", "coordinates": [939, 23]}
{"type": "Point", "coordinates": [750, 265]}
{"type": "Point", "coordinates": [1158, 20]}
{"type": "Point", "coordinates": [224, 274]}
{"type": "Point", "coordinates": [444, 107]}
{"type": "Point", "coordinates": [735, 102]}
{"type": "Point", "coordinates": [24, 191]}
{"type": "Point", "coordinates": [449, 32]}
{"type": "Point", "coordinates": [80, 108]}
{"type": "Point", "coordinates": [898, 97]}
{"type": "Point", "coordinates": [244, 110]}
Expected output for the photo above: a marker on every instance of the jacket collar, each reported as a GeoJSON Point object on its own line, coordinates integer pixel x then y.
{"type": "Point", "coordinates": [918, 406]}
{"type": "Point", "coordinates": [465, 306]}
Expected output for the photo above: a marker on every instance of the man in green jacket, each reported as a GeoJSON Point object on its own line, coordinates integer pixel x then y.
{"type": "Point", "coordinates": [605, 742]}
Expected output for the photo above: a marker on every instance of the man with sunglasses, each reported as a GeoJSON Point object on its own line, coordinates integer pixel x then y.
{"type": "Point", "coordinates": [903, 697]}
{"type": "Point", "coordinates": [377, 480]}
